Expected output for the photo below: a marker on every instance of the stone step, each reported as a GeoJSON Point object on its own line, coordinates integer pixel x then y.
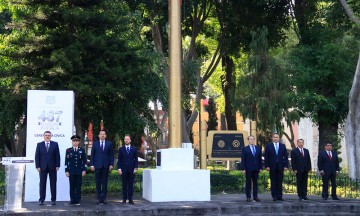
{"type": "Point", "coordinates": [296, 214]}
{"type": "Point", "coordinates": [227, 205]}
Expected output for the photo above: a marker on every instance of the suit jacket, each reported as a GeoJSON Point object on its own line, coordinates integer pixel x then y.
{"type": "Point", "coordinates": [276, 162]}
{"type": "Point", "coordinates": [329, 166]}
{"type": "Point", "coordinates": [75, 161]}
{"type": "Point", "coordinates": [300, 163]}
{"type": "Point", "coordinates": [102, 158]}
{"type": "Point", "coordinates": [50, 158]}
{"type": "Point", "coordinates": [127, 162]}
{"type": "Point", "coordinates": [249, 162]}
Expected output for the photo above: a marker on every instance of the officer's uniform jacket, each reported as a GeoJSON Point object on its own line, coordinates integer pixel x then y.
{"type": "Point", "coordinates": [75, 161]}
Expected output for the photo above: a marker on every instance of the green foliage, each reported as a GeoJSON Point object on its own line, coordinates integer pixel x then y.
{"type": "Point", "coordinates": [263, 92]}
{"type": "Point", "coordinates": [90, 47]}
{"type": "Point", "coordinates": [322, 66]}
{"type": "Point", "coordinates": [239, 18]}
{"type": "Point", "coordinates": [221, 182]}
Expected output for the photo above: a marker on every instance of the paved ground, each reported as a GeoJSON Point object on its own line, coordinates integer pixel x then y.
{"type": "Point", "coordinates": [224, 204]}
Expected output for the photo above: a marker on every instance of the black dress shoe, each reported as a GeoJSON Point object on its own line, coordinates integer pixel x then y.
{"type": "Point", "coordinates": [104, 201]}
{"type": "Point", "coordinates": [71, 203]}
{"type": "Point", "coordinates": [41, 202]}
{"type": "Point", "coordinates": [335, 198]}
{"type": "Point", "coordinates": [324, 198]}
{"type": "Point", "coordinates": [248, 199]}
{"type": "Point", "coordinates": [275, 199]}
{"type": "Point", "coordinates": [131, 202]}
{"type": "Point", "coordinates": [257, 199]}
{"type": "Point", "coordinates": [123, 202]}
{"type": "Point", "coordinates": [53, 203]}
{"type": "Point", "coordinates": [305, 198]}
{"type": "Point", "coordinates": [301, 199]}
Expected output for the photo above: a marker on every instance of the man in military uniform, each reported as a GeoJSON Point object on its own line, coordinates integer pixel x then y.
{"type": "Point", "coordinates": [75, 168]}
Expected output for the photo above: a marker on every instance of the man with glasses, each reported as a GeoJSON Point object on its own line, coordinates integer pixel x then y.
{"type": "Point", "coordinates": [251, 165]}
{"type": "Point", "coordinates": [301, 165]}
{"type": "Point", "coordinates": [47, 162]}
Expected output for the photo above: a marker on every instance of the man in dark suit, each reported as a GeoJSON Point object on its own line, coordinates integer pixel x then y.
{"type": "Point", "coordinates": [102, 162]}
{"type": "Point", "coordinates": [251, 166]}
{"type": "Point", "coordinates": [276, 161]}
{"type": "Point", "coordinates": [328, 165]}
{"type": "Point", "coordinates": [127, 167]}
{"type": "Point", "coordinates": [47, 162]}
{"type": "Point", "coordinates": [301, 165]}
{"type": "Point", "coordinates": [75, 169]}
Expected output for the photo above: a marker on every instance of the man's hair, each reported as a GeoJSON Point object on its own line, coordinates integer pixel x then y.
{"type": "Point", "coordinates": [46, 132]}
{"type": "Point", "coordinates": [250, 136]}
{"type": "Point", "coordinates": [127, 135]}
{"type": "Point", "coordinates": [102, 130]}
{"type": "Point", "coordinates": [300, 140]}
{"type": "Point", "coordinates": [276, 134]}
{"type": "Point", "coordinates": [328, 142]}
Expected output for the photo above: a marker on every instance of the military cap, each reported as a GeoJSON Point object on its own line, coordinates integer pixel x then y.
{"type": "Point", "coordinates": [75, 137]}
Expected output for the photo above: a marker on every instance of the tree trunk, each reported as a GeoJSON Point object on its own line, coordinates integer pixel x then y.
{"type": "Point", "coordinates": [19, 150]}
{"type": "Point", "coordinates": [228, 86]}
{"type": "Point", "coordinates": [328, 132]}
{"type": "Point", "coordinates": [352, 126]}
{"type": "Point", "coordinates": [223, 122]}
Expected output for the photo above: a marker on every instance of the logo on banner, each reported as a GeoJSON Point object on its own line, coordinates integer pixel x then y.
{"type": "Point", "coordinates": [49, 119]}
{"type": "Point", "coordinates": [50, 99]}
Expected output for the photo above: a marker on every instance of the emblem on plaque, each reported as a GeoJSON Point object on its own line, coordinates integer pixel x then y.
{"type": "Point", "coordinates": [236, 143]}
{"type": "Point", "coordinates": [221, 143]}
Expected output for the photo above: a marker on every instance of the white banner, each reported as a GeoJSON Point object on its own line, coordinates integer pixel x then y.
{"type": "Point", "coordinates": [48, 111]}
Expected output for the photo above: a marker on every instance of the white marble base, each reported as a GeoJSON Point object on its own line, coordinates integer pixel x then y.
{"type": "Point", "coordinates": [176, 159]}
{"type": "Point", "coordinates": [176, 185]}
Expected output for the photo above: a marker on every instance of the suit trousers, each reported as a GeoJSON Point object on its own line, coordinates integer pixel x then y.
{"type": "Point", "coordinates": [276, 177]}
{"type": "Point", "coordinates": [251, 177]}
{"type": "Point", "coordinates": [43, 178]}
{"type": "Point", "coordinates": [301, 183]}
{"type": "Point", "coordinates": [75, 187]}
{"type": "Point", "coordinates": [101, 179]}
{"type": "Point", "coordinates": [128, 179]}
{"type": "Point", "coordinates": [325, 188]}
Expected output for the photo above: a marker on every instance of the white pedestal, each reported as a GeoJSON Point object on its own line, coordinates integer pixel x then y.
{"type": "Point", "coordinates": [14, 186]}
{"type": "Point", "coordinates": [175, 179]}
{"type": "Point", "coordinates": [15, 171]}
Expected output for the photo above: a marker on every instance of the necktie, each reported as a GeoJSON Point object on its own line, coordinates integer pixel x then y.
{"type": "Point", "coordinates": [253, 149]}
{"type": "Point", "coordinates": [47, 147]}
{"type": "Point", "coordinates": [75, 150]}
{"type": "Point", "coordinates": [302, 152]}
{"type": "Point", "coordinates": [102, 146]}
{"type": "Point", "coordinates": [128, 150]}
{"type": "Point", "coordinates": [329, 155]}
{"type": "Point", "coordinates": [276, 148]}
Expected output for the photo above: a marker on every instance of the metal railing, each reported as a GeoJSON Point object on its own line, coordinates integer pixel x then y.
{"type": "Point", "coordinates": [223, 181]}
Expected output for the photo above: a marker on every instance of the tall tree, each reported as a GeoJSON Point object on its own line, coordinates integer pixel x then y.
{"type": "Point", "coordinates": [352, 129]}
{"type": "Point", "coordinates": [323, 54]}
{"type": "Point", "coordinates": [231, 23]}
{"type": "Point", "coordinates": [264, 93]}
{"type": "Point", "coordinates": [91, 47]}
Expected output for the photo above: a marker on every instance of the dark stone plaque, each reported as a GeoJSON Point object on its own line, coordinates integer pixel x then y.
{"type": "Point", "coordinates": [158, 158]}
{"type": "Point", "coordinates": [227, 145]}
